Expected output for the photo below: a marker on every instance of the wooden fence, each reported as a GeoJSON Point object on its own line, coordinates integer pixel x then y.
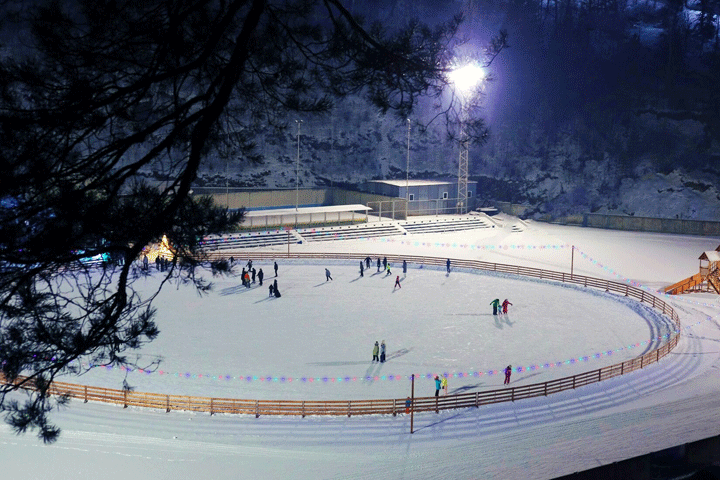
{"type": "Point", "coordinates": [394, 406]}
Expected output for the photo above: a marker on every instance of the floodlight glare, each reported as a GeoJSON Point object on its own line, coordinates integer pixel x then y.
{"type": "Point", "coordinates": [467, 77]}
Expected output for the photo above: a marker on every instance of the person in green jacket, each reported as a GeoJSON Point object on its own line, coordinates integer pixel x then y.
{"type": "Point", "coordinates": [495, 303]}
{"type": "Point", "coordinates": [376, 350]}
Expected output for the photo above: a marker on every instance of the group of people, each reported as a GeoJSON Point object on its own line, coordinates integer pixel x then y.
{"type": "Point", "coordinates": [379, 349]}
{"type": "Point", "coordinates": [273, 288]}
{"type": "Point", "coordinates": [249, 275]}
{"type": "Point", "coordinates": [498, 307]}
{"type": "Point", "coordinates": [441, 383]}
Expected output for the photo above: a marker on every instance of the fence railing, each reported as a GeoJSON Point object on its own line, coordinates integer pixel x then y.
{"type": "Point", "coordinates": [394, 406]}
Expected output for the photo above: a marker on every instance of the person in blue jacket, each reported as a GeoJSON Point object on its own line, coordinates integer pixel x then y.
{"type": "Point", "coordinates": [437, 385]}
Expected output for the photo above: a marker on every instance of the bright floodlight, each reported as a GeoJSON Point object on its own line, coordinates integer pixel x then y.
{"type": "Point", "coordinates": [466, 78]}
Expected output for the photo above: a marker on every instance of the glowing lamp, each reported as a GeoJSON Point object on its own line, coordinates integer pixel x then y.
{"type": "Point", "coordinates": [467, 77]}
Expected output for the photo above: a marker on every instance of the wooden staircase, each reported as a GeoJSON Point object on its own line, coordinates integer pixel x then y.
{"type": "Point", "coordinates": [700, 282]}
{"type": "Point", "coordinates": [690, 284]}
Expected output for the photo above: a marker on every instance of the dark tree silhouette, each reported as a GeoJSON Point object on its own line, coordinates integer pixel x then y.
{"type": "Point", "coordinates": [104, 98]}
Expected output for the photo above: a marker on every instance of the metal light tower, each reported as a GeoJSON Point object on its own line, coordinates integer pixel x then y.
{"type": "Point", "coordinates": [407, 172]}
{"type": "Point", "coordinates": [463, 170]}
{"type": "Point", "coordinates": [465, 79]}
{"type": "Point", "coordinates": [297, 167]}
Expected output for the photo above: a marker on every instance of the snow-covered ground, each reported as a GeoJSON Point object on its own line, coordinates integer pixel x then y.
{"type": "Point", "coordinates": [436, 323]}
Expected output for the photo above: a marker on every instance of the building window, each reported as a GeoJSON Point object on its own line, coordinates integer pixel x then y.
{"type": "Point", "coordinates": [445, 195]}
{"type": "Point", "coordinates": [411, 197]}
{"type": "Point", "coordinates": [470, 193]}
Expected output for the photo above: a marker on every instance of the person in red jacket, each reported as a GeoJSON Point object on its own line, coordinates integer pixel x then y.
{"type": "Point", "coordinates": [397, 282]}
{"type": "Point", "coordinates": [505, 305]}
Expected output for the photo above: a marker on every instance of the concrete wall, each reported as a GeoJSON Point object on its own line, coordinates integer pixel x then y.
{"type": "Point", "coordinates": [348, 197]}
{"type": "Point", "coordinates": [646, 224]}
{"type": "Point", "coordinates": [259, 199]}
{"type": "Point", "coordinates": [514, 209]}
{"type": "Point", "coordinates": [623, 222]}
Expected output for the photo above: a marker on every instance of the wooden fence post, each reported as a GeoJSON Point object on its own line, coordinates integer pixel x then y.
{"type": "Point", "coordinates": [125, 399]}
{"type": "Point", "coordinates": [167, 403]}
{"type": "Point", "coordinates": [211, 407]}
{"type": "Point", "coordinates": [477, 399]}
{"type": "Point", "coordinates": [303, 409]}
{"type": "Point", "coordinates": [349, 409]}
{"type": "Point", "coordinates": [85, 394]}
{"type": "Point", "coordinates": [257, 408]}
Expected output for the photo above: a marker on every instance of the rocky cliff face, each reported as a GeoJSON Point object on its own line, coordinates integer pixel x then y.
{"type": "Point", "coordinates": [556, 174]}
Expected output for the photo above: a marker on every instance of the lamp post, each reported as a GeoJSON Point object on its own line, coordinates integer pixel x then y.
{"type": "Point", "coordinates": [297, 167]}
{"type": "Point", "coordinates": [407, 173]}
{"type": "Point", "coordinates": [465, 79]}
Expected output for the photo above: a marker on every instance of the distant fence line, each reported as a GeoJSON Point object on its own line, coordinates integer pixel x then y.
{"type": "Point", "coordinates": [622, 222]}
{"type": "Point", "coordinates": [394, 406]}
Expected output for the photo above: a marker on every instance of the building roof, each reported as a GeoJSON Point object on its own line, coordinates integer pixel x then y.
{"type": "Point", "coordinates": [277, 212]}
{"type": "Point", "coordinates": [711, 256]}
{"type": "Point", "coordinates": [417, 183]}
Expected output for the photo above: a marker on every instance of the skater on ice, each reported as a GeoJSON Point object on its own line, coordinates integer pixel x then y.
{"type": "Point", "coordinates": [327, 275]}
{"type": "Point", "coordinates": [508, 371]}
{"type": "Point", "coordinates": [495, 303]}
{"type": "Point", "coordinates": [276, 292]}
{"type": "Point", "coordinates": [443, 384]}
{"type": "Point", "coordinates": [253, 272]}
{"type": "Point", "coordinates": [376, 350]}
{"type": "Point", "coordinates": [438, 384]}
{"type": "Point", "coordinates": [367, 263]}
{"type": "Point", "coordinates": [505, 305]}
{"type": "Point", "coordinates": [387, 271]}
{"type": "Point", "coordinates": [378, 264]}
{"type": "Point", "coordinates": [382, 351]}
{"type": "Point", "coordinates": [361, 268]}
{"type": "Point", "coordinates": [397, 283]}
{"type": "Point", "coordinates": [447, 265]}
{"type": "Point", "coordinates": [404, 267]}
{"type": "Point", "coordinates": [276, 267]}
{"type": "Point", "coordinates": [260, 276]}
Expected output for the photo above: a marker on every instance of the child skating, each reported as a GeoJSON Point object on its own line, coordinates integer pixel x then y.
{"type": "Point", "coordinates": [505, 306]}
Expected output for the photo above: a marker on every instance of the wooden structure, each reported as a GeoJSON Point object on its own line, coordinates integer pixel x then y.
{"type": "Point", "coordinates": [706, 280]}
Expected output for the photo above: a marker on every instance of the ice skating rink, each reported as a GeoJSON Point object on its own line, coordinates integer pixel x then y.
{"type": "Point", "coordinates": [315, 342]}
